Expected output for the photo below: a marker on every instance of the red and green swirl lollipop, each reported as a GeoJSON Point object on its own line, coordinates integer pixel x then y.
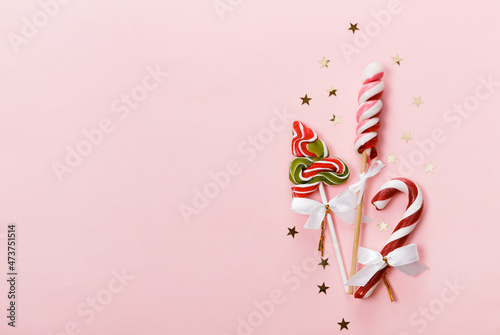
{"type": "Point", "coordinates": [309, 170]}
{"type": "Point", "coordinates": [311, 165]}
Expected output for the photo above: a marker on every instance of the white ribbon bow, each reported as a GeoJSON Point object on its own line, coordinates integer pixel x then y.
{"type": "Point", "coordinates": [375, 167]}
{"type": "Point", "coordinates": [344, 206]}
{"type": "Point", "coordinates": [404, 259]}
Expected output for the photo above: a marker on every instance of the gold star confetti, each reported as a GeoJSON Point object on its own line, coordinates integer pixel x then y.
{"type": "Point", "coordinates": [335, 119]}
{"type": "Point", "coordinates": [429, 167]}
{"type": "Point", "coordinates": [383, 226]}
{"type": "Point", "coordinates": [323, 62]}
{"type": "Point", "coordinates": [396, 60]}
{"type": "Point", "coordinates": [332, 91]}
{"type": "Point", "coordinates": [406, 136]}
{"type": "Point", "coordinates": [391, 158]}
{"type": "Point", "coordinates": [324, 263]}
{"type": "Point", "coordinates": [322, 288]}
{"type": "Point", "coordinates": [353, 27]}
{"type": "Point", "coordinates": [292, 232]}
{"type": "Point", "coordinates": [343, 324]}
{"type": "Point", "coordinates": [417, 101]}
{"type": "Point", "coordinates": [305, 100]}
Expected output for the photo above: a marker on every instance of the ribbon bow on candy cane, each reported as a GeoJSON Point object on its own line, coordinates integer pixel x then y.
{"type": "Point", "coordinates": [404, 259]}
{"type": "Point", "coordinates": [343, 205]}
{"type": "Point", "coordinates": [375, 167]}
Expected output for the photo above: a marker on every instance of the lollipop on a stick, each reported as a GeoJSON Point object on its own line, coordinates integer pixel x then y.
{"type": "Point", "coordinates": [369, 108]}
{"type": "Point", "coordinates": [309, 170]}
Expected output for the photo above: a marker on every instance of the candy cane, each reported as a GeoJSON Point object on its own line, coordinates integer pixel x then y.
{"type": "Point", "coordinates": [407, 224]}
{"type": "Point", "coordinates": [369, 108]}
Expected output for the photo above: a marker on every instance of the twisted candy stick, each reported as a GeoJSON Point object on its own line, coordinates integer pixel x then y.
{"type": "Point", "coordinates": [403, 229]}
{"type": "Point", "coordinates": [367, 137]}
{"type": "Point", "coordinates": [309, 170]}
{"type": "Point", "coordinates": [369, 107]}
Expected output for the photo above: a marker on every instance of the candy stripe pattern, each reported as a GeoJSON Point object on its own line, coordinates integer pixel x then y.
{"type": "Point", "coordinates": [307, 173]}
{"type": "Point", "coordinates": [305, 142]}
{"type": "Point", "coordinates": [369, 108]}
{"type": "Point", "coordinates": [312, 165]}
{"type": "Point", "coordinates": [407, 224]}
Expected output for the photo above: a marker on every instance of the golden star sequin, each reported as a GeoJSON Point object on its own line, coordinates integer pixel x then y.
{"type": "Point", "coordinates": [391, 158]}
{"type": "Point", "coordinates": [335, 119]}
{"type": "Point", "coordinates": [323, 62]}
{"type": "Point", "coordinates": [417, 101]}
{"type": "Point", "coordinates": [292, 232]}
{"type": "Point", "coordinates": [324, 263]}
{"type": "Point", "coordinates": [322, 288]}
{"type": "Point", "coordinates": [429, 167]}
{"type": "Point", "coordinates": [396, 60]}
{"type": "Point", "coordinates": [305, 100]}
{"type": "Point", "coordinates": [406, 136]}
{"type": "Point", "coordinates": [343, 324]}
{"type": "Point", "coordinates": [353, 27]}
{"type": "Point", "coordinates": [331, 92]}
{"type": "Point", "coordinates": [383, 226]}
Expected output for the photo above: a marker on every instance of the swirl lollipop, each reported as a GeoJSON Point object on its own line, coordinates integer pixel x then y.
{"type": "Point", "coordinates": [308, 174]}
{"type": "Point", "coordinates": [311, 167]}
{"type": "Point", "coordinates": [309, 170]}
{"type": "Point", "coordinates": [305, 142]}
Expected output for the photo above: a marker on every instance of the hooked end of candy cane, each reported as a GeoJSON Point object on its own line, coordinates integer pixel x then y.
{"type": "Point", "coordinates": [372, 72]}
{"type": "Point", "coordinates": [380, 204]}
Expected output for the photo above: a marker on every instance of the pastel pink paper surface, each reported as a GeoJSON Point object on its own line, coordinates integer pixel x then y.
{"type": "Point", "coordinates": [232, 91]}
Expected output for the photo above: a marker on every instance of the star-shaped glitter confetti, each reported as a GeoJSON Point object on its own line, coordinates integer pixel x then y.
{"type": "Point", "coordinates": [322, 288]}
{"type": "Point", "coordinates": [417, 101]}
{"type": "Point", "coordinates": [324, 263]}
{"type": "Point", "coordinates": [332, 91]}
{"type": "Point", "coordinates": [305, 100]}
{"type": "Point", "coordinates": [429, 167]}
{"type": "Point", "coordinates": [343, 324]}
{"type": "Point", "coordinates": [335, 119]}
{"type": "Point", "coordinates": [396, 60]}
{"type": "Point", "coordinates": [292, 232]}
{"type": "Point", "coordinates": [353, 27]}
{"type": "Point", "coordinates": [391, 158]}
{"type": "Point", "coordinates": [406, 136]}
{"type": "Point", "coordinates": [383, 226]}
{"type": "Point", "coordinates": [323, 62]}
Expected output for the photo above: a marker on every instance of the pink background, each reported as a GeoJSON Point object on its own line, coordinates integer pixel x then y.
{"type": "Point", "coordinates": [119, 209]}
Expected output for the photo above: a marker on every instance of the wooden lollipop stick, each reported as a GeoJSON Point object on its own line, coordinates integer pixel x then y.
{"type": "Point", "coordinates": [336, 246]}
{"type": "Point", "coordinates": [357, 228]}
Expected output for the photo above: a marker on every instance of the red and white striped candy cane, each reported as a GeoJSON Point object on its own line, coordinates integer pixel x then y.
{"type": "Point", "coordinates": [404, 227]}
